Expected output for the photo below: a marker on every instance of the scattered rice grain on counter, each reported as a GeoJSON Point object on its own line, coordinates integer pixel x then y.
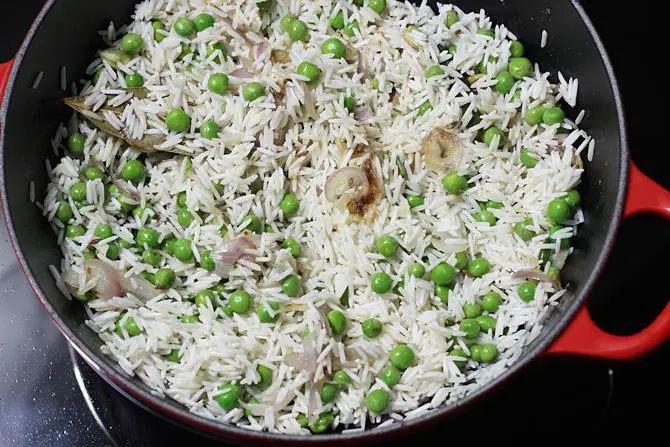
{"type": "Point", "coordinates": [337, 234]}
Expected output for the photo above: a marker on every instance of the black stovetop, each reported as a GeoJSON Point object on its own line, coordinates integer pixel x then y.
{"type": "Point", "coordinates": [49, 396]}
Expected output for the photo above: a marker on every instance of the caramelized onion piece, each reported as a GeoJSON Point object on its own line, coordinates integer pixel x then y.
{"type": "Point", "coordinates": [345, 186]}
{"type": "Point", "coordinates": [442, 150]}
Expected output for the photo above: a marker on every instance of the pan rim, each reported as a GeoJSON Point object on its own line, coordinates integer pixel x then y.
{"type": "Point", "coordinates": [176, 413]}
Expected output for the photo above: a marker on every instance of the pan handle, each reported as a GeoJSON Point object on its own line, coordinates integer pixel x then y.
{"type": "Point", "coordinates": [582, 336]}
{"type": "Point", "coordinates": [5, 68]}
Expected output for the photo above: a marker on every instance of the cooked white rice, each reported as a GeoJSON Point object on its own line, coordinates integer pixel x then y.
{"type": "Point", "coordinates": [338, 252]}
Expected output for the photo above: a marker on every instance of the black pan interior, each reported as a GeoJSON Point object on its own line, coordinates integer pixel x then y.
{"type": "Point", "coordinates": [64, 38]}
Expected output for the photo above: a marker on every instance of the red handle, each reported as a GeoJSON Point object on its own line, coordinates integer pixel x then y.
{"type": "Point", "coordinates": [582, 336]}
{"type": "Point", "coordinates": [5, 68]}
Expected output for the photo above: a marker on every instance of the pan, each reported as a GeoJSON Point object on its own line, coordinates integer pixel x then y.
{"type": "Point", "coordinates": [612, 189]}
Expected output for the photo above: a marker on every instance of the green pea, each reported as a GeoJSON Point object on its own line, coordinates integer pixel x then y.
{"type": "Point", "coordinates": [133, 171]}
{"type": "Point", "coordinates": [442, 274]}
{"type": "Point", "coordinates": [486, 322]}
{"type": "Point", "coordinates": [452, 49]}
{"type": "Point", "coordinates": [505, 82]}
{"type": "Point", "coordinates": [265, 374]}
{"type": "Point", "coordinates": [476, 352]}
{"type": "Point", "coordinates": [292, 246]}
{"type": "Point", "coordinates": [491, 302]}
{"type": "Point", "coordinates": [134, 80]}
{"type": "Point", "coordinates": [482, 65]}
{"type": "Point", "coordinates": [485, 216]}
{"type": "Point", "coordinates": [458, 352]}
{"type": "Point", "coordinates": [479, 267]}
{"type": "Point", "coordinates": [89, 253]}
{"type": "Point", "coordinates": [350, 27]}
{"type": "Point", "coordinates": [112, 252]}
{"type": "Point", "coordinates": [522, 231]}
{"type": "Point", "coordinates": [573, 198]}
{"type": "Point", "coordinates": [565, 242]}
{"type": "Point", "coordinates": [488, 353]}
{"type": "Point", "coordinates": [151, 256]}
{"type": "Point", "coordinates": [156, 25]}
{"type": "Point", "coordinates": [148, 237]}
{"type": "Point", "coordinates": [309, 70]}
{"type": "Point", "coordinates": [93, 173]}
{"type": "Point", "coordinates": [289, 205]}
{"type": "Point", "coordinates": [189, 319]}
{"type": "Point", "coordinates": [184, 27]}
{"type": "Point", "coordinates": [252, 223]}
{"type": "Point", "coordinates": [78, 191]}
{"type": "Point", "coordinates": [386, 246]}
{"type": "Point", "coordinates": [472, 310]}
{"type": "Point", "coordinates": [349, 103]}
{"type": "Point", "coordinates": [381, 282]}
{"type": "Point", "coordinates": [286, 21]}
{"type": "Point", "coordinates": [558, 210]}
{"type": "Point", "coordinates": [85, 297]}
{"type": "Point", "coordinates": [424, 107]}
{"type": "Point", "coordinates": [486, 32]}
{"type": "Point", "coordinates": [75, 143]}
{"type": "Point", "coordinates": [434, 70]}
{"type": "Point", "coordinates": [516, 48]}
{"type": "Point", "coordinates": [291, 285]}
{"type": "Point", "coordinates": [337, 321]}
{"type": "Point", "coordinates": [377, 6]}
{"type": "Point", "coordinates": [377, 400]}
{"type": "Point", "coordinates": [253, 91]}
{"type": "Point", "coordinates": [492, 132]}
{"type": "Point", "coordinates": [371, 327]}
{"type": "Point", "coordinates": [240, 301]}
{"type": "Point", "coordinates": [323, 423]}
{"type": "Point", "coordinates": [341, 379]}
{"type": "Point", "coordinates": [390, 375]}
{"type": "Point", "coordinates": [64, 211]}
{"type": "Point", "coordinates": [177, 120]}
{"type": "Point", "coordinates": [103, 231]}
{"type": "Point", "coordinates": [213, 47]}
{"type": "Point", "coordinates": [132, 43]}
{"type": "Point", "coordinates": [534, 116]}
{"type": "Point", "coordinates": [417, 270]}
{"type": "Point", "coordinates": [302, 420]}
{"type": "Point", "coordinates": [130, 326]}
{"type": "Point", "coordinates": [454, 183]}
{"type": "Point", "coordinates": [125, 244]}
{"type": "Point", "coordinates": [526, 159]}
{"type": "Point", "coordinates": [402, 357]}
{"type": "Point", "coordinates": [337, 21]}
{"type": "Point", "coordinates": [519, 67]}
{"type": "Point", "coordinates": [173, 356]}
{"type": "Point", "coordinates": [209, 129]}
{"type": "Point", "coordinates": [203, 297]}
{"type": "Point", "coordinates": [182, 250]}
{"type": "Point", "coordinates": [297, 30]}
{"type": "Point", "coordinates": [264, 315]}
{"type": "Point", "coordinates": [527, 291]}
{"type": "Point", "coordinates": [329, 392]}
{"type": "Point", "coordinates": [206, 261]}
{"type": "Point", "coordinates": [203, 21]}
{"type": "Point", "coordinates": [553, 115]}
{"type": "Point", "coordinates": [413, 200]}
{"type": "Point", "coordinates": [229, 396]}
{"type": "Point", "coordinates": [470, 327]}
{"type": "Point", "coordinates": [228, 310]}
{"type": "Point", "coordinates": [451, 19]}
{"type": "Point", "coordinates": [168, 245]}
{"type": "Point", "coordinates": [333, 46]}
{"type": "Point", "coordinates": [218, 83]}
{"type": "Point", "coordinates": [442, 293]}
{"type": "Point", "coordinates": [461, 260]}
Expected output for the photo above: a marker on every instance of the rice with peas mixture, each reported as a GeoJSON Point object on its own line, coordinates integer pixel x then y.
{"type": "Point", "coordinates": [308, 215]}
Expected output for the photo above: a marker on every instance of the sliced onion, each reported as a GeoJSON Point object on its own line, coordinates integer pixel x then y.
{"type": "Point", "coordinates": [241, 73]}
{"type": "Point", "coordinates": [260, 48]}
{"type": "Point", "coordinates": [362, 114]}
{"type": "Point", "coordinates": [229, 253]}
{"type": "Point", "coordinates": [532, 274]}
{"type": "Point", "coordinates": [106, 278]}
{"type": "Point", "coordinates": [139, 287]}
{"type": "Point", "coordinates": [346, 185]}
{"type": "Point", "coordinates": [442, 150]}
